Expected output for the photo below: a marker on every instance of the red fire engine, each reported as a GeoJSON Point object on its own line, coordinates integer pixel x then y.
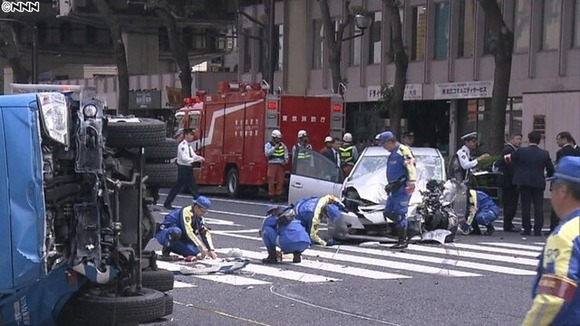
{"type": "Point", "coordinates": [232, 126]}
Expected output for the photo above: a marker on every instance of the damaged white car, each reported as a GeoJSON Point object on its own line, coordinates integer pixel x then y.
{"type": "Point", "coordinates": [436, 207]}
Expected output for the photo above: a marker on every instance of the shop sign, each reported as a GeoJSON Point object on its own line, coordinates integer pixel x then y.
{"type": "Point", "coordinates": [463, 90]}
{"type": "Point", "coordinates": [413, 92]}
{"type": "Point", "coordinates": [144, 100]}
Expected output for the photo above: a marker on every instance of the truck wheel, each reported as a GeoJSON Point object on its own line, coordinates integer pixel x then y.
{"type": "Point", "coordinates": [160, 280]}
{"type": "Point", "coordinates": [233, 182]}
{"type": "Point", "coordinates": [168, 304]}
{"type": "Point", "coordinates": [147, 132]}
{"type": "Point", "coordinates": [161, 175]}
{"type": "Point", "coordinates": [163, 151]}
{"type": "Point", "coordinates": [143, 306]}
{"type": "Point", "coordinates": [148, 228]}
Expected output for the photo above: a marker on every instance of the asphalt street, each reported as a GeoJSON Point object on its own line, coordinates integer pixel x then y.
{"type": "Point", "coordinates": [477, 280]}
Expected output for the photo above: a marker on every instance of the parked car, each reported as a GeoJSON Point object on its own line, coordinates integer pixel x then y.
{"type": "Point", "coordinates": [363, 190]}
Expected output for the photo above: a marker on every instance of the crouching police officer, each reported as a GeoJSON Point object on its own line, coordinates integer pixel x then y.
{"type": "Point", "coordinates": [555, 292]}
{"type": "Point", "coordinates": [310, 211]}
{"type": "Point", "coordinates": [281, 229]}
{"type": "Point", "coordinates": [401, 184]}
{"type": "Point", "coordinates": [184, 232]}
{"type": "Point", "coordinates": [482, 211]}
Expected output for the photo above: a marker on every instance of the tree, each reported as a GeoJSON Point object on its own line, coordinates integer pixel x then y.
{"type": "Point", "coordinates": [168, 14]}
{"type": "Point", "coordinates": [10, 50]}
{"type": "Point", "coordinates": [120, 55]}
{"type": "Point", "coordinates": [333, 40]}
{"type": "Point", "coordinates": [501, 45]}
{"type": "Point", "coordinates": [393, 96]}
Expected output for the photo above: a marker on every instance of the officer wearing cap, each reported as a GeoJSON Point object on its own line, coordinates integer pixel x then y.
{"type": "Point", "coordinates": [401, 177]}
{"type": "Point", "coordinates": [281, 229]}
{"type": "Point", "coordinates": [312, 210]}
{"type": "Point", "coordinates": [184, 232]}
{"type": "Point", "coordinates": [556, 297]}
{"type": "Point", "coordinates": [462, 163]}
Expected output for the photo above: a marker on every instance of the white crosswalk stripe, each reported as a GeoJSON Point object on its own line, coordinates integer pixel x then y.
{"type": "Point", "coordinates": [323, 265]}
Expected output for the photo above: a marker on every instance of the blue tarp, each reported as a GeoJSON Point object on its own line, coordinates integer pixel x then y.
{"type": "Point", "coordinates": [22, 211]}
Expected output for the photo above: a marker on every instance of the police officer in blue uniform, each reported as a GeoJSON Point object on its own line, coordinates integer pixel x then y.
{"type": "Point", "coordinates": [482, 211]}
{"type": "Point", "coordinates": [312, 210]}
{"type": "Point", "coordinates": [185, 233]}
{"type": "Point", "coordinates": [401, 177]}
{"type": "Point", "coordinates": [281, 229]}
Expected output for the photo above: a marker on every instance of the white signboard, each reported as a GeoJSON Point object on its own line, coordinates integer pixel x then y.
{"type": "Point", "coordinates": [413, 92]}
{"type": "Point", "coordinates": [472, 89]}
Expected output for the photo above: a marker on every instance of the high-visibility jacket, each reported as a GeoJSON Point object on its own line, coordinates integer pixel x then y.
{"type": "Point", "coordinates": [348, 154]}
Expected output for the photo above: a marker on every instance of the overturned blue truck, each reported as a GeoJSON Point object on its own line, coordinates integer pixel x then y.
{"type": "Point", "coordinates": [73, 212]}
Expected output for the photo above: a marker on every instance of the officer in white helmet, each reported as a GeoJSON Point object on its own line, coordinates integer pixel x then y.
{"type": "Point", "coordinates": [277, 154]}
{"type": "Point", "coordinates": [348, 154]}
{"type": "Point", "coordinates": [462, 162]}
{"type": "Point", "coordinates": [302, 151]}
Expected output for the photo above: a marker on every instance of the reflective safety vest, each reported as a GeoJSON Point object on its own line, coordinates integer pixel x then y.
{"type": "Point", "coordinates": [346, 155]}
{"type": "Point", "coordinates": [303, 153]}
{"type": "Point", "coordinates": [279, 152]}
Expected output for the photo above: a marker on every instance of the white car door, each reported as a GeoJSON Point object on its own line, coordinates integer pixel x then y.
{"type": "Point", "coordinates": [319, 177]}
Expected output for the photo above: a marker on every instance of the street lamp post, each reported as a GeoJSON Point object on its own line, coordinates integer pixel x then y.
{"type": "Point", "coordinates": [362, 22]}
{"type": "Point", "coordinates": [34, 59]}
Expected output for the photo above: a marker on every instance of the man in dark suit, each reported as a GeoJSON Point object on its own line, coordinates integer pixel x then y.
{"type": "Point", "coordinates": [529, 165]}
{"type": "Point", "coordinates": [566, 143]}
{"type": "Point", "coordinates": [510, 192]}
{"type": "Point", "coordinates": [330, 151]}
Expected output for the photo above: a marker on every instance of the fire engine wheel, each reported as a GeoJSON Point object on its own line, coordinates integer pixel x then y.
{"type": "Point", "coordinates": [143, 306]}
{"type": "Point", "coordinates": [161, 175]}
{"type": "Point", "coordinates": [160, 279]}
{"type": "Point", "coordinates": [163, 151]}
{"type": "Point", "coordinates": [147, 132]}
{"type": "Point", "coordinates": [233, 182]}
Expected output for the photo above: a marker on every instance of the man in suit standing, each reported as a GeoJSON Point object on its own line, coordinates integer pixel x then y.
{"type": "Point", "coordinates": [529, 165]}
{"type": "Point", "coordinates": [330, 151]}
{"type": "Point", "coordinates": [510, 192]}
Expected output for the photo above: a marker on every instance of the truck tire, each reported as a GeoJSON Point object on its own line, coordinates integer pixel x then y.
{"type": "Point", "coordinates": [163, 151]}
{"type": "Point", "coordinates": [233, 183]}
{"type": "Point", "coordinates": [161, 175]}
{"type": "Point", "coordinates": [148, 132]}
{"type": "Point", "coordinates": [168, 304]}
{"type": "Point", "coordinates": [147, 305]}
{"type": "Point", "coordinates": [160, 280]}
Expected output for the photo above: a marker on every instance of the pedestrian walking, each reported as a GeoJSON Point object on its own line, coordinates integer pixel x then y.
{"type": "Point", "coordinates": [556, 298]}
{"type": "Point", "coordinates": [186, 156]}
{"type": "Point", "coordinates": [277, 154]}
{"type": "Point", "coordinates": [509, 191]}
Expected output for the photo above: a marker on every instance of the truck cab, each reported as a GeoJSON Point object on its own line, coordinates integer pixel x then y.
{"type": "Point", "coordinates": [71, 205]}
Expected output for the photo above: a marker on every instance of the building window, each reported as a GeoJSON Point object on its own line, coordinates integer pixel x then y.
{"type": "Point", "coordinates": [65, 33]}
{"type": "Point", "coordinates": [418, 43]}
{"type": "Point", "coordinates": [466, 28]}
{"type": "Point", "coordinates": [317, 44]}
{"type": "Point", "coordinates": [199, 39]}
{"type": "Point", "coordinates": [280, 49]}
{"type": "Point", "coordinates": [441, 30]}
{"type": "Point", "coordinates": [247, 50]}
{"type": "Point", "coordinates": [551, 24]}
{"type": "Point", "coordinates": [375, 43]}
{"type": "Point", "coordinates": [355, 47]}
{"type": "Point", "coordinates": [522, 16]}
{"type": "Point", "coordinates": [576, 25]}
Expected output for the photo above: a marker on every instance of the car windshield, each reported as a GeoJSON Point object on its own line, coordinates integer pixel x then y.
{"type": "Point", "coordinates": [428, 166]}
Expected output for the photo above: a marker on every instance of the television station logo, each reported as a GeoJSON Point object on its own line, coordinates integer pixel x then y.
{"type": "Point", "coordinates": [20, 6]}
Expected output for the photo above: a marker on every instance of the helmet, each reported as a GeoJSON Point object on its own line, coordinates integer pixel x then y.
{"type": "Point", "coordinates": [378, 136]}
{"type": "Point", "coordinates": [386, 136]}
{"type": "Point", "coordinates": [328, 139]}
{"type": "Point", "coordinates": [302, 133]}
{"type": "Point", "coordinates": [332, 211]}
{"type": "Point", "coordinates": [276, 134]}
{"type": "Point", "coordinates": [202, 202]}
{"type": "Point", "coordinates": [347, 137]}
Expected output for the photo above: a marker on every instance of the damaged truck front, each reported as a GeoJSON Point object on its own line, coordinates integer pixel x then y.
{"type": "Point", "coordinates": [73, 216]}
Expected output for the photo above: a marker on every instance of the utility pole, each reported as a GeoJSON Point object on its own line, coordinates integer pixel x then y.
{"type": "Point", "coordinates": [271, 40]}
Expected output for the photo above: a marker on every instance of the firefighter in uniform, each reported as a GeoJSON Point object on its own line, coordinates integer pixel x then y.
{"type": "Point", "coordinates": [461, 163]}
{"type": "Point", "coordinates": [186, 156]}
{"type": "Point", "coordinates": [348, 154]}
{"type": "Point", "coordinates": [302, 152]}
{"type": "Point", "coordinates": [281, 229]}
{"type": "Point", "coordinates": [401, 177]}
{"type": "Point", "coordinates": [482, 211]}
{"type": "Point", "coordinates": [184, 232]}
{"type": "Point", "coordinates": [277, 154]}
{"type": "Point", "coordinates": [310, 211]}
{"type": "Point", "coordinates": [556, 297]}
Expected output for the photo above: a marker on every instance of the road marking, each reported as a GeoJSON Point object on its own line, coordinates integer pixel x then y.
{"type": "Point", "coordinates": [497, 250]}
{"type": "Point", "coordinates": [182, 285]}
{"type": "Point", "coordinates": [227, 200]}
{"type": "Point", "coordinates": [289, 275]}
{"type": "Point", "coordinates": [540, 243]}
{"type": "Point", "coordinates": [443, 261]}
{"type": "Point", "coordinates": [339, 269]}
{"type": "Point", "coordinates": [244, 231]}
{"type": "Point", "coordinates": [450, 250]}
{"type": "Point", "coordinates": [222, 278]}
{"type": "Point", "coordinates": [514, 245]}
